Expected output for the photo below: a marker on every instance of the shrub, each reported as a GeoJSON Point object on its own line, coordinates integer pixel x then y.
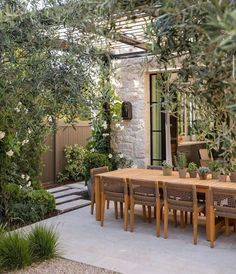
{"type": "Point", "coordinates": [93, 160]}
{"type": "Point", "coordinates": [26, 205]}
{"type": "Point", "coordinates": [14, 251]}
{"type": "Point", "coordinates": [74, 168]}
{"type": "Point", "coordinates": [43, 243]}
{"type": "Point", "coordinates": [119, 161]}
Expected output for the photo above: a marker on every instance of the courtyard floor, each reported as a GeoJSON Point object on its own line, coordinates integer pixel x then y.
{"type": "Point", "coordinates": [82, 239]}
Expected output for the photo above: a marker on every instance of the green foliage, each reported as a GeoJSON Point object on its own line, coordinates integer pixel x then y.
{"type": "Point", "coordinates": [93, 160]}
{"type": "Point", "coordinates": [214, 166]}
{"type": "Point", "coordinates": [233, 167]}
{"type": "Point", "coordinates": [14, 251]}
{"type": "Point", "coordinates": [25, 205]}
{"type": "Point", "coordinates": [192, 167]}
{"type": "Point", "coordinates": [181, 160]}
{"type": "Point", "coordinates": [202, 170]}
{"type": "Point", "coordinates": [166, 165]}
{"type": "Point", "coordinates": [74, 168]}
{"type": "Point", "coordinates": [202, 34]}
{"type": "Point", "coordinates": [43, 243]}
{"type": "Point", "coordinates": [18, 250]}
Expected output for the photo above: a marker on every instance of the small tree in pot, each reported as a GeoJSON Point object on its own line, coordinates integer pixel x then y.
{"type": "Point", "coordinates": [214, 167]}
{"type": "Point", "coordinates": [203, 171]}
{"type": "Point", "coordinates": [167, 168]}
{"type": "Point", "coordinates": [182, 164]}
{"type": "Point", "coordinates": [192, 169]}
{"type": "Point", "coordinates": [233, 172]}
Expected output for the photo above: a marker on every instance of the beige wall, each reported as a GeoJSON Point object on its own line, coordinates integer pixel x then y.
{"type": "Point", "coordinates": [132, 83]}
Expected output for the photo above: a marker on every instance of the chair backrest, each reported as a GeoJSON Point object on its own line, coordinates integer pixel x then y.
{"type": "Point", "coordinates": [112, 185]}
{"type": "Point", "coordinates": [144, 191]}
{"type": "Point", "coordinates": [223, 200]}
{"type": "Point", "coordinates": [154, 167]}
{"type": "Point", "coordinates": [204, 154]}
{"type": "Point", "coordinates": [180, 195]}
{"type": "Point", "coordinates": [98, 170]}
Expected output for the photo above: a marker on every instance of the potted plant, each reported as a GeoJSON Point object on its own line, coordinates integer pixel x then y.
{"type": "Point", "coordinates": [182, 164]}
{"type": "Point", "coordinates": [214, 167]}
{"type": "Point", "coordinates": [167, 168]}
{"type": "Point", "coordinates": [203, 171]}
{"type": "Point", "coordinates": [233, 172]}
{"type": "Point", "coordinates": [224, 172]}
{"type": "Point", "coordinates": [192, 170]}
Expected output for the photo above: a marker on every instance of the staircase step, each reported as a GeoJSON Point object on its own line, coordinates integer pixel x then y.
{"type": "Point", "coordinates": [58, 189]}
{"type": "Point", "coordinates": [67, 199]}
{"type": "Point", "coordinates": [62, 208]}
{"type": "Point", "coordinates": [66, 192]}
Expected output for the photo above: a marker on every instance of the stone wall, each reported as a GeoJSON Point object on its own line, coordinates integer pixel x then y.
{"type": "Point", "coordinates": [129, 83]}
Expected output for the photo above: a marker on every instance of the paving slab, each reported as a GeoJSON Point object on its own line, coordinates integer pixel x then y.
{"type": "Point", "coordinates": [72, 205]}
{"type": "Point", "coordinates": [66, 192]}
{"type": "Point", "coordinates": [58, 189]}
{"type": "Point", "coordinates": [140, 252]}
{"type": "Point", "coordinates": [79, 185]}
{"type": "Point", "coordinates": [67, 199]}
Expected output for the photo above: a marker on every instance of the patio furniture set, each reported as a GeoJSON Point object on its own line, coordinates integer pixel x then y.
{"type": "Point", "coordinates": [152, 190]}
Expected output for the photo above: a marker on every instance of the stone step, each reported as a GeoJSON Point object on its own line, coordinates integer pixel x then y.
{"type": "Point", "coordinates": [72, 205]}
{"type": "Point", "coordinates": [58, 189]}
{"type": "Point", "coordinates": [65, 193]}
{"type": "Point", "coordinates": [67, 199]}
{"type": "Point", "coordinates": [80, 185]}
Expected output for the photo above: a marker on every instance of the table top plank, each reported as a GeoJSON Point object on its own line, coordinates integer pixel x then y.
{"type": "Point", "coordinates": [157, 175]}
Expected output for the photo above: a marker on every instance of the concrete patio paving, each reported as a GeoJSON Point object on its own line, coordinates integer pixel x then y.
{"type": "Point", "coordinates": [112, 248]}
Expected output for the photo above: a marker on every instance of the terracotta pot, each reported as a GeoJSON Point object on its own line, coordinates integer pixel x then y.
{"type": "Point", "coordinates": [182, 173]}
{"type": "Point", "coordinates": [215, 175]}
{"type": "Point", "coordinates": [203, 176]}
{"type": "Point", "coordinates": [233, 176]}
{"type": "Point", "coordinates": [167, 171]}
{"type": "Point", "coordinates": [193, 174]}
{"type": "Point", "coordinates": [222, 178]}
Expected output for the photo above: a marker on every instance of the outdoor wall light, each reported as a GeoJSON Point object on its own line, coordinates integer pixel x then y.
{"type": "Point", "coordinates": [126, 111]}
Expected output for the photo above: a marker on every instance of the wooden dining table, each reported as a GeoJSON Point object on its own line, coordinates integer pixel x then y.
{"type": "Point", "coordinates": [202, 186]}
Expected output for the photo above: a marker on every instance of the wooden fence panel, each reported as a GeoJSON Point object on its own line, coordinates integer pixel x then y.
{"type": "Point", "coordinates": [54, 160]}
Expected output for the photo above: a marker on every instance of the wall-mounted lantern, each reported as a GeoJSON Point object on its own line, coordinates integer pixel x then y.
{"type": "Point", "coordinates": [126, 111]}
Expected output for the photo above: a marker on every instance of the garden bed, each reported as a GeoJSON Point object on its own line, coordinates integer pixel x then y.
{"type": "Point", "coordinates": [62, 266]}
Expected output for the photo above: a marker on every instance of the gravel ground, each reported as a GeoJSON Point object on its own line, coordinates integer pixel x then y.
{"type": "Point", "coordinates": [62, 266]}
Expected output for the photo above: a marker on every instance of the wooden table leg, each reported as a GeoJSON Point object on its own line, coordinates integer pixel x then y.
{"type": "Point", "coordinates": [207, 215]}
{"type": "Point", "coordinates": [98, 198]}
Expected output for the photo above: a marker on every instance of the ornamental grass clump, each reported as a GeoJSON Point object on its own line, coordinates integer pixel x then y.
{"type": "Point", "coordinates": [14, 251]}
{"type": "Point", "coordinates": [43, 243]}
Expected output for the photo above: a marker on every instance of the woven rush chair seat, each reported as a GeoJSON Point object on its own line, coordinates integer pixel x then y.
{"type": "Point", "coordinates": [183, 198]}
{"type": "Point", "coordinates": [145, 193]}
{"type": "Point", "coordinates": [93, 173]}
{"type": "Point", "coordinates": [222, 204]}
{"type": "Point", "coordinates": [114, 189]}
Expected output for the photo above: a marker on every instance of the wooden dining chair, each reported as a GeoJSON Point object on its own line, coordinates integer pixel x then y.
{"type": "Point", "coordinates": [145, 193]}
{"type": "Point", "coordinates": [93, 173]}
{"type": "Point", "coordinates": [184, 198]}
{"type": "Point", "coordinates": [114, 189]}
{"type": "Point", "coordinates": [205, 159]}
{"type": "Point", "coordinates": [222, 204]}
